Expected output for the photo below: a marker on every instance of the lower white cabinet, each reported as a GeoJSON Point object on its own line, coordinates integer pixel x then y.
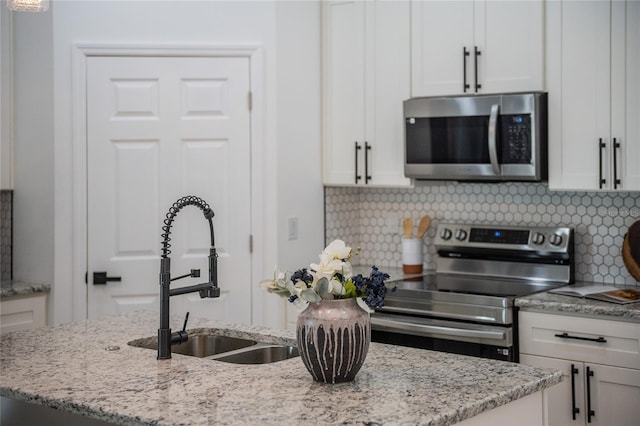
{"type": "Point", "coordinates": [22, 313]}
{"type": "Point", "coordinates": [600, 361]}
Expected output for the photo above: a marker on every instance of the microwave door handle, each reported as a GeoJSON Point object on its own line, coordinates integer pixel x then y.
{"type": "Point", "coordinates": [493, 135]}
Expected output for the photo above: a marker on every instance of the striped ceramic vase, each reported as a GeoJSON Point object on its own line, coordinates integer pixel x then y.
{"type": "Point", "coordinates": [333, 339]}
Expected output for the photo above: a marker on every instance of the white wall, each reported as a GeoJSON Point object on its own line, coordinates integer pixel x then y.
{"type": "Point", "coordinates": [6, 65]}
{"type": "Point", "coordinates": [301, 194]}
{"type": "Point", "coordinates": [33, 106]}
{"type": "Point", "coordinates": [287, 31]}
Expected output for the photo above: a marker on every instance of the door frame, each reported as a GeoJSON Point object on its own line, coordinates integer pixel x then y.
{"type": "Point", "coordinates": [79, 245]}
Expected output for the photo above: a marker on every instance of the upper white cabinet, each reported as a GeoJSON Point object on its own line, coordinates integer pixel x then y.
{"type": "Point", "coordinates": [477, 47]}
{"type": "Point", "coordinates": [593, 64]}
{"type": "Point", "coordinates": [366, 76]}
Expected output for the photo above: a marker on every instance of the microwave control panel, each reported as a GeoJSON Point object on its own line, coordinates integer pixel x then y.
{"type": "Point", "coordinates": [516, 138]}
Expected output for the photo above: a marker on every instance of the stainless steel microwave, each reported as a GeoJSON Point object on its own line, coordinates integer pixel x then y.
{"type": "Point", "coordinates": [500, 137]}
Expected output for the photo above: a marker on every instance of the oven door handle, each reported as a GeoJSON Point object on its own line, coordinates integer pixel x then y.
{"type": "Point", "coordinates": [438, 329]}
{"type": "Point", "coordinates": [493, 139]}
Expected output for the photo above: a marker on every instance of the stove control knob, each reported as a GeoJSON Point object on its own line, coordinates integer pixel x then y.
{"type": "Point", "coordinates": [555, 239]}
{"type": "Point", "coordinates": [461, 234]}
{"type": "Point", "coordinates": [445, 234]}
{"type": "Point", "coordinates": [537, 239]}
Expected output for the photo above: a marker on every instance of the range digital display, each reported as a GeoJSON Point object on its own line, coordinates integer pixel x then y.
{"type": "Point", "coordinates": [498, 236]}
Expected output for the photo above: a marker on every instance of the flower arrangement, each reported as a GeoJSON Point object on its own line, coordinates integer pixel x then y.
{"type": "Point", "coordinates": [330, 279]}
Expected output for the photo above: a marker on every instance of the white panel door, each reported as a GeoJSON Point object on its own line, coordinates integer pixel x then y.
{"type": "Point", "coordinates": [160, 128]}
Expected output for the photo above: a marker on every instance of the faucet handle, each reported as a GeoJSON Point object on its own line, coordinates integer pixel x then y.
{"type": "Point", "coordinates": [184, 326]}
{"type": "Point", "coordinates": [195, 273]}
{"type": "Point", "coordinates": [181, 336]}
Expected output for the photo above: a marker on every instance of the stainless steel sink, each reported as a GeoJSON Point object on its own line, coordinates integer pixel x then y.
{"type": "Point", "coordinates": [199, 345]}
{"type": "Point", "coordinates": [259, 355]}
{"type": "Point", "coordinates": [226, 349]}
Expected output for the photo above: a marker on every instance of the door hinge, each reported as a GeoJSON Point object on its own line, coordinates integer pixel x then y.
{"type": "Point", "coordinates": [250, 101]}
{"type": "Point", "coordinates": [250, 243]}
{"type": "Point", "coordinates": [86, 278]}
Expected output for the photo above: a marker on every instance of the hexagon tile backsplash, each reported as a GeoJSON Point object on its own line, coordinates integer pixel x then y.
{"type": "Point", "coordinates": [371, 217]}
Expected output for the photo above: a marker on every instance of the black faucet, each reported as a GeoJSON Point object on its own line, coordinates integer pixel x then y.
{"type": "Point", "coordinates": [209, 289]}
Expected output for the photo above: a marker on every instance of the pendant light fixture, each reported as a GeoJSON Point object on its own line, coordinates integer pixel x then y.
{"type": "Point", "coordinates": [28, 5]}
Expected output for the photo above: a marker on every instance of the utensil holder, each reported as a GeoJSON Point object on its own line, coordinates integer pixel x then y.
{"type": "Point", "coordinates": [412, 259]}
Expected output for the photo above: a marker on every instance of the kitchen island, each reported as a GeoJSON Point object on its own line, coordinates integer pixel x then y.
{"type": "Point", "coordinates": [88, 368]}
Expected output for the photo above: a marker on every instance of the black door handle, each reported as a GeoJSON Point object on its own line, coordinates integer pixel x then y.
{"type": "Point", "coordinates": [477, 53]}
{"type": "Point", "coordinates": [590, 412]}
{"type": "Point", "coordinates": [358, 148]}
{"type": "Point", "coordinates": [102, 278]}
{"type": "Point", "coordinates": [574, 410]}
{"type": "Point", "coordinates": [465, 53]}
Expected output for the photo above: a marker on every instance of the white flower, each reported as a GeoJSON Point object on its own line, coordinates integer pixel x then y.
{"type": "Point", "coordinates": [337, 250]}
{"type": "Point", "coordinates": [330, 278]}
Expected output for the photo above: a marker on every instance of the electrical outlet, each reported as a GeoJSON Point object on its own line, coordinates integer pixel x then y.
{"type": "Point", "coordinates": [292, 224]}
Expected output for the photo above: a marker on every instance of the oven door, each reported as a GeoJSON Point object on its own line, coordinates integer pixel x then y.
{"type": "Point", "coordinates": [486, 341]}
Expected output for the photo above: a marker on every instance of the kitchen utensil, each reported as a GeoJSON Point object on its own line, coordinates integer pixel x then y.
{"type": "Point", "coordinates": [407, 227]}
{"type": "Point", "coordinates": [423, 226]}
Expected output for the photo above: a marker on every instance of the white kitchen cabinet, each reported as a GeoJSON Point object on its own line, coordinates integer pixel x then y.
{"type": "Point", "coordinates": [477, 47]}
{"type": "Point", "coordinates": [366, 77]}
{"type": "Point", "coordinates": [600, 361]}
{"type": "Point", "coordinates": [593, 64]}
{"type": "Point", "coordinates": [22, 313]}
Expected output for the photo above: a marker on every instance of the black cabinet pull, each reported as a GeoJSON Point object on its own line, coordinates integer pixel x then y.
{"type": "Point", "coordinates": [358, 148]}
{"type": "Point", "coordinates": [465, 53]}
{"type": "Point", "coordinates": [574, 410]}
{"type": "Point", "coordinates": [599, 339]}
{"type": "Point", "coordinates": [616, 180]}
{"type": "Point", "coordinates": [601, 146]}
{"type": "Point", "coordinates": [102, 278]}
{"type": "Point", "coordinates": [590, 412]}
{"type": "Point", "coordinates": [477, 53]}
{"type": "Point", "coordinates": [367, 176]}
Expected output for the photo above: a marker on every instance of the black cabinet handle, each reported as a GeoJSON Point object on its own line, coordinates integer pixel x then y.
{"type": "Point", "coordinates": [574, 410]}
{"type": "Point", "coordinates": [465, 53]}
{"type": "Point", "coordinates": [616, 180]}
{"type": "Point", "coordinates": [477, 53]}
{"type": "Point", "coordinates": [102, 278]}
{"type": "Point", "coordinates": [601, 146]}
{"type": "Point", "coordinates": [590, 412]}
{"type": "Point", "coordinates": [367, 176]}
{"type": "Point", "coordinates": [358, 148]}
{"type": "Point", "coordinates": [599, 339]}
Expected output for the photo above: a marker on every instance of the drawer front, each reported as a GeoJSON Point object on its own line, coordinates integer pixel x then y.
{"type": "Point", "coordinates": [583, 339]}
{"type": "Point", "coordinates": [23, 313]}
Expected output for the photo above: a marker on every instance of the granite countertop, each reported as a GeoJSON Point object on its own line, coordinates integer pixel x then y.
{"type": "Point", "coordinates": [556, 303]}
{"type": "Point", "coordinates": [12, 288]}
{"type": "Point", "coordinates": [68, 367]}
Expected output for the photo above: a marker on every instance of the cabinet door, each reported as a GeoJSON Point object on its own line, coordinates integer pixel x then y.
{"type": "Point", "coordinates": [343, 90]}
{"type": "Point", "coordinates": [440, 31]}
{"type": "Point", "coordinates": [594, 95]}
{"type": "Point", "coordinates": [583, 102]}
{"type": "Point", "coordinates": [510, 37]}
{"type": "Point", "coordinates": [614, 394]}
{"type": "Point", "coordinates": [560, 400]}
{"type": "Point", "coordinates": [625, 93]}
{"type": "Point", "coordinates": [389, 55]}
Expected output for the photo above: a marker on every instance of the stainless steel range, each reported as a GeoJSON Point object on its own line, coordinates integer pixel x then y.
{"type": "Point", "coordinates": [467, 305]}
